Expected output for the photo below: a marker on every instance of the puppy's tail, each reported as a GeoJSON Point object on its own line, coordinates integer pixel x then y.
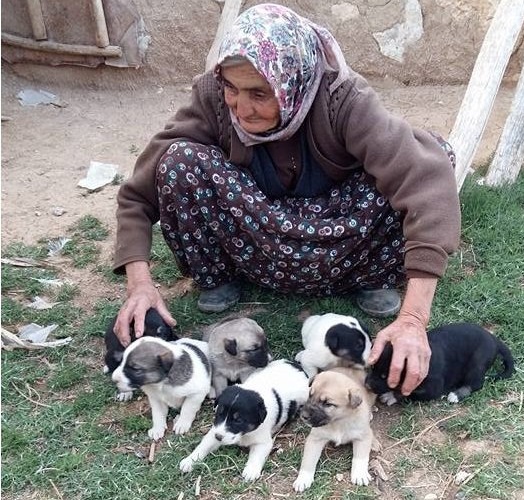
{"type": "Point", "coordinates": [507, 360]}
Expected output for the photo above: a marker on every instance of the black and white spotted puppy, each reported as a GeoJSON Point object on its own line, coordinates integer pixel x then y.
{"type": "Point", "coordinates": [332, 340]}
{"type": "Point", "coordinates": [154, 326]}
{"type": "Point", "coordinates": [171, 374]}
{"type": "Point", "coordinates": [251, 413]}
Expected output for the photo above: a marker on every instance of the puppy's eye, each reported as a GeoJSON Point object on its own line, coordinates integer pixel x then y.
{"type": "Point", "coordinates": [328, 404]}
{"type": "Point", "coordinates": [383, 376]}
{"type": "Point", "coordinates": [237, 417]}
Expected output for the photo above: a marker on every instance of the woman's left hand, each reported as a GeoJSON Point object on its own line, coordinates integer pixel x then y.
{"type": "Point", "coordinates": [410, 350]}
{"type": "Point", "coordinates": [408, 336]}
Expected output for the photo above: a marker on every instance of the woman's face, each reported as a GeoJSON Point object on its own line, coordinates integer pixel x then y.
{"type": "Point", "coordinates": [250, 97]}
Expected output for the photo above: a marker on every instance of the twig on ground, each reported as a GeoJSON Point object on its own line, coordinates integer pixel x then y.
{"type": "Point", "coordinates": [151, 455]}
{"type": "Point", "coordinates": [28, 398]}
{"type": "Point", "coordinates": [56, 489]}
{"type": "Point", "coordinates": [422, 432]}
{"type": "Point", "coordinates": [197, 486]}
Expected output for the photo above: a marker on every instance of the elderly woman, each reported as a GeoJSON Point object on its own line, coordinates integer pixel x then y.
{"type": "Point", "coordinates": [286, 171]}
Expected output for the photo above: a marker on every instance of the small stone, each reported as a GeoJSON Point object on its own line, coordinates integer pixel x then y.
{"type": "Point", "coordinates": [58, 211]}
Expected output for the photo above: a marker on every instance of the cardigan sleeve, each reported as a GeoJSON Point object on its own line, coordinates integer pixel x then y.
{"type": "Point", "coordinates": [412, 171]}
{"type": "Point", "coordinates": [137, 198]}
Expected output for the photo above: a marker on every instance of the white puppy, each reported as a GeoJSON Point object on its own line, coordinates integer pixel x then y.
{"type": "Point", "coordinates": [176, 374]}
{"type": "Point", "coordinates": [332, 340]}
{"type": "Point", "coordinates": [251, 413]}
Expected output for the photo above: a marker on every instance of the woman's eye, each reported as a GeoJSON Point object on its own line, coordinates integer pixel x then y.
{"type": "Point", "coordinates": [260, 96]}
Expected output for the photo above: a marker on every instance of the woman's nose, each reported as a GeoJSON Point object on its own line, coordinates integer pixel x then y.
{"type": "Point", "coordinates": [243, 105]}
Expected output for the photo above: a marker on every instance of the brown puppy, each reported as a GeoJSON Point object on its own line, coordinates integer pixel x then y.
{"type": "Point", "coordinates": [339, 409]}
{"type": "Point", "coordinates": [237, 347]}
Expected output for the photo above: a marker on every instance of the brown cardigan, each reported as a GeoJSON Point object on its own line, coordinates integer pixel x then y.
{"type": "Point", "coordinates": [344, 130]}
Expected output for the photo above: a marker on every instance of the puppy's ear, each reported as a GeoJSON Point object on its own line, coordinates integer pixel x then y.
{"type": "Point", "coordinates": [165, 361]}
{"type": "Point", "coordinates": [230, 345]}
{"type": "Point", "coordinates": [354, 399]}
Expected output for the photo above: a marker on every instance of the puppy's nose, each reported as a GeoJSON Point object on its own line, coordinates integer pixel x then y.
{"type": "Point", "coordinates": [219, 436]}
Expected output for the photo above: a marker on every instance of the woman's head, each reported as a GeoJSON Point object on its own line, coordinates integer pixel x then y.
{"type": "Point", "coordinates": [282, 49]}
{"type": "Point", "coordinates": [249, 96]}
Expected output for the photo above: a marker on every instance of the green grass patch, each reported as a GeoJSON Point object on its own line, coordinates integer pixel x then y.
{"type": "Point", "coordinates": [61, 426]}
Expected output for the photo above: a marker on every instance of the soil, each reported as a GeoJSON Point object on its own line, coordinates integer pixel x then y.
{"type": "Point", "coordinates": [47, 149]}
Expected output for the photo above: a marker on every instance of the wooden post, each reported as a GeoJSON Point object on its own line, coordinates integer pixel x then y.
{"type": "Point", "coordinates": [509, 156]}
{"type": "Point", "coordinates": [229, 14]}
{"type": "Point", "coordinates": [484, 83]}
{"type": "Point", "coordinates": [37, 19]}
{"type": "Point", "coordinates": [102, 37]}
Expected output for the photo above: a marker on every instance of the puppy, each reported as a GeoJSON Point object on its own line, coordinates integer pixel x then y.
{"type": "Point", "coordinates": [176, 374]}
{"type": "Point", "coordinates": [339, 409]}
{"type": "Point", "coordinates": [251, 413]}
{"type": "Point", "coordinates": [332, 340]}
{"type": "Point", "coordinates": [237, 347]}
{"type": "Point", "coordinates": [154, 326]}
{"type": "Point", "coordinates": [461, 354]}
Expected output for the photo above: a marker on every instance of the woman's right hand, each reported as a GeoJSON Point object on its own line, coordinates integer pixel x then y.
{"type": "Point", "coordinates": [142, 294]}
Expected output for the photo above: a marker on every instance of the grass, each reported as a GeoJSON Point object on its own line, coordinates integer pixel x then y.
{"type": "Point", "coordinates": [64, 436]}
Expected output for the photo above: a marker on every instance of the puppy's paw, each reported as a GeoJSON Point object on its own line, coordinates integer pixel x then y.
{"type": "Point", "coordinates": [156, 433]}
{"type": "Point", "coordinates": [303, 481]}
{"type": "Point", "coordinates": [251, 473]}
{"type": "Point", "coordinates": [453, 398]}
{"type": "Point", "coordinates": [181, 426]}
{"type": "Point", "coordinates": [298, 356]}
{"type": "Point", "coordinates": [388, 398]}
{"type": "Point", "coordinates": [360, 476]}
{"type": "Point", "coordinates": [124, 396]}
{"type": "Point", "coordinates": [105, 370]}
{"type": "Point", "coordinates": [186, 464]}
{"type": "Point", "coordinates": [212, 394]}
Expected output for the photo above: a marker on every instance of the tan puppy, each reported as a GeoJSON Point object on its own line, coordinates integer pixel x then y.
{"type": "Point", "coordinates": [339, 409]}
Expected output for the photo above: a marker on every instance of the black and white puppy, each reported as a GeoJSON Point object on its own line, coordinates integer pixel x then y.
{"type": "Point", "coordinates": [251, 413]}
{"type": "Point", "coordinates": [171, 374]}
{"type": "Point", "coordinates": [332, 340]}
{"type": "Point", "coordinates": [237, 347]}
{"type": "Point", "coordinates": [154, 326]}
{"type": "Point", "coordinates": [461, 354]}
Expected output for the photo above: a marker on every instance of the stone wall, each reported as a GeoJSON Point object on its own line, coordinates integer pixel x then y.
{"type": "Point", "coordinates": [410, 41]}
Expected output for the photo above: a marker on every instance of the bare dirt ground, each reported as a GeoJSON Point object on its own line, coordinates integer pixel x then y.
{"type": "Point", "coordinates": [46, 150]}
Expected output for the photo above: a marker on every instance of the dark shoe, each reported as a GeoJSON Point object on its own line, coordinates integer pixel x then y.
{"type": "Point", "coordinates": [380, 303]}
{"type": "Point", "coordinates": [220, 298]}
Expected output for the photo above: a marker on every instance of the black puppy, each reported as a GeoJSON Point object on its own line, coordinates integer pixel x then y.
{"type": "Point", "coordinates": [461, 354]}
{"type": "Point", "coordinates": [154, 326]}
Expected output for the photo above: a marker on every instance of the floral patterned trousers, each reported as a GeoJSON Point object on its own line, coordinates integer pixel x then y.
{"type": "Point", "coordinates": [220, 227]}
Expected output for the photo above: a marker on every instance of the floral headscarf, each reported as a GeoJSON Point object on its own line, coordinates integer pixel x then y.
{"type": "Point", "coordinates": [292, 54]}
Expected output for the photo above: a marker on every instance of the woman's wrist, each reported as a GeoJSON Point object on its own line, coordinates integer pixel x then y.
{"type": "Point", "coordinates": [138, 273]}
{"type": "Point", "coordinates": [418, 300]}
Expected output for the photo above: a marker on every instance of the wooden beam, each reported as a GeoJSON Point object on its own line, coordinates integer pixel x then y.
{"type": "Point", "coordinates": [101, 34]}
{"type": "Point", "coordinates": [37, 19]}
{"type": "Point", "coordinates": [509, 157]}
{"type": "Point", "coordinates": [229, 14]}
{"type": "Point", "coordinates": [61, 48]}
{"type": "Point", "coordinates": [484, 83]}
